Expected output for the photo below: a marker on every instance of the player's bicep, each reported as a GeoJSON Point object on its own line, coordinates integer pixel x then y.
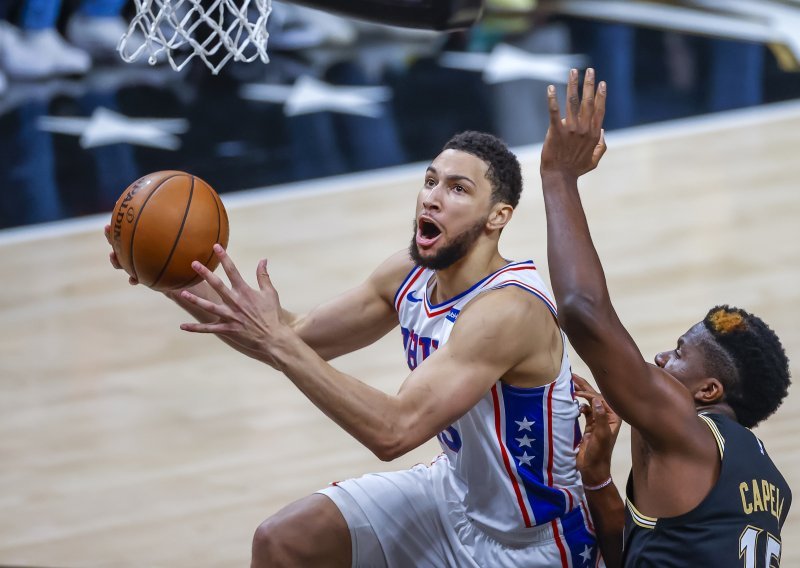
{"type": "Point", "coordinates": [346, 323]}
{"type": "Point", "coordinates": [482, 347]}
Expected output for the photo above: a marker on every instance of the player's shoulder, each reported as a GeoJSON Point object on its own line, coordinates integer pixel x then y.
{"type": "Point", "coordinates": [510, 308]}
{"type": "Point", "coordinates": [500, 324]}
{"type": "Point", "coordinates": [391, 273]}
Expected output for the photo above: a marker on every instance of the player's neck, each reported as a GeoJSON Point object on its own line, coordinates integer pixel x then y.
{"type": "Point", "coordinates": [717, 408]}
{"type": "Point", "coordinates": [464, 273]}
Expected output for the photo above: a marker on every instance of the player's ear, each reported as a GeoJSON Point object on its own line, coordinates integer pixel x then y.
{"type": "Point", "coordinates": [500, 215]}
{"type": "Point", "coordinates": [709, 391]}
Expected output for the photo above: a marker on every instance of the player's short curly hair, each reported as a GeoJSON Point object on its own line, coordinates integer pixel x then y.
{"type": "Point", "coordinates": [760, 380]}
{"type": "Point", "coordinates": [504, 172]}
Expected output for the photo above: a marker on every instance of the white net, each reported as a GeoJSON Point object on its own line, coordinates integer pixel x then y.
{"type": "Point", "coordinates": [216, 31]}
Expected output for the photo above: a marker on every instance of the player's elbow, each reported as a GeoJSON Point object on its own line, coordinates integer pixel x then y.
{"type": "Point", "coordinates": [390, 448]}
{"type": "Point", "coordinates": [389, 452]}
{"type": "Point", "coordinates": [393, 443]}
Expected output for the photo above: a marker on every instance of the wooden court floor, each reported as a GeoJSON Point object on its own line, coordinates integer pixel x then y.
{"type": "Point", "coordinates": [126, 442]}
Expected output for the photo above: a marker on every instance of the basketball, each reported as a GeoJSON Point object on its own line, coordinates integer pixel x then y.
{"type": "Point", "coordinates": [164, 221]}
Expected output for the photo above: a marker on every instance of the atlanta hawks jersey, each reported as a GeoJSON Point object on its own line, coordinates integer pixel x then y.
{"type": "Point", "coordinates": [737, 524]}
{"type": "Point", "coordinates": [512, 456]}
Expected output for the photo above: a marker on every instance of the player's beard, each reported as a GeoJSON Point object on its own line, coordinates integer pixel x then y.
{"type": "Point", "coordinates": [449, 253]}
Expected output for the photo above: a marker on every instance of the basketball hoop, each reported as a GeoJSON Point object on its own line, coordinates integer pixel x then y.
{"type": "Point", "coordinates": [216, 31]}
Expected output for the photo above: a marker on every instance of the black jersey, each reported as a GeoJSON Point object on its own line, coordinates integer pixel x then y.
{"type": "Point", "coordinates": [738, 524]}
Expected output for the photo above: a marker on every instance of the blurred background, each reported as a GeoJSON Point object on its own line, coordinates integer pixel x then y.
{"type": "Point", "coordinates": [77, 124]}
{"type": "Point", "coordinates": [124, 442]}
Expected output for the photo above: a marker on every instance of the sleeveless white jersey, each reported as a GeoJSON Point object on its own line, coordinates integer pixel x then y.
{"type": "Point", "coordinates": [512, 456]}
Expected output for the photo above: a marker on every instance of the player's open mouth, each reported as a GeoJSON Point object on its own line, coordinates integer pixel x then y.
{"type": "Point", "coordinates": [428, 232]}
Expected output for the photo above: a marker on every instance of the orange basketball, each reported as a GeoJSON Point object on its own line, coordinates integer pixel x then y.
{"type": "Point", "coordinates": [164, 221]}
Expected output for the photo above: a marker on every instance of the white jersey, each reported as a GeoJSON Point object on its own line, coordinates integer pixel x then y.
{"type": "Point", "coordinates": [512, 456]}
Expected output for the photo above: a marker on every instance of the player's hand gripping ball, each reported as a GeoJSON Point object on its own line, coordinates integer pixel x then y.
{"type": "Point", "coordinates": [164, 221]}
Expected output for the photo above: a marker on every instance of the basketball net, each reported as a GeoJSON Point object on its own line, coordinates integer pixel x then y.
{"type": "Point", "coordinates": [216, 31]}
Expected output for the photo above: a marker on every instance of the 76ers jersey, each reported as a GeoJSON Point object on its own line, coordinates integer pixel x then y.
{"type": "Point", "coordinates": [512, 456]}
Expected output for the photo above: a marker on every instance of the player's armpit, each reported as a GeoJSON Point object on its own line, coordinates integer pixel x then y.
{"type": "Point", "coordinates": [493, 336]}
{"type": "Point", "coordinates": [645, 396]}
{"type": "Point", "coordinates": [358, 317]}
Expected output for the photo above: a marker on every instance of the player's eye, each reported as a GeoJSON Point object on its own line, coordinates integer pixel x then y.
{"type": "Point", "coordinates": [459, 188]}
{"type": "Point", "coordinates": [430, 182]}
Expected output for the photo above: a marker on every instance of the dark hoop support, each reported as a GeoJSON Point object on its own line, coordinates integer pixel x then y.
{"type": "Point", "coordinates": [441, 15]}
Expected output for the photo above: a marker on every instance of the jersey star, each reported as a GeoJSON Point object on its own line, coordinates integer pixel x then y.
{"type": "Point", "coordinates": [524, 441]}
{"type": "Point", "coordinates": [586, 554]}
{"type": "Point", "coordinates": [524, 459]}
{"type": "Point", "coordinates": [524, 424]}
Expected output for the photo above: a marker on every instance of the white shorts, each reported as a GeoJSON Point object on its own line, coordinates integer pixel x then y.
{"type": "Point", "coordinates": [397, 521]}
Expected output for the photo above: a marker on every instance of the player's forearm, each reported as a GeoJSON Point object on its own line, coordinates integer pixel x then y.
{"type": "Point", "coordinates": [371, 416]}
{"type": "Point", "coordinates": [577, 277]}
{"type": "Point", "coordinates": [608, 515]}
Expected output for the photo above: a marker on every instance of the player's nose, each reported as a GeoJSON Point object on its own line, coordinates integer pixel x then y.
{"type": "Point", "coordinates": [661, 358]}
{"type": "Point", "coordinates": [431, 197]}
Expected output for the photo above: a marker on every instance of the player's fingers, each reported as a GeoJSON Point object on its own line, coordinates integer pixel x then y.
{"type": "Point", "coordinates": [582, 384]}
{"type": "Point", "coordinates": [112, 257]}
{"type": "Point", "coordinates": [262, 276]}
{"type": "Point", "coordinates": [218, 310]}
{"type": "Point", "coordinates": [600, 149]}
{"type": "Point", "coordinates": [229, 267]}
{"type": "Point", "coordinates": [599, 106]}
{"type": "Point", "coordinates": [197, 327]}
{"type": "Point", "coordinates": [107, 232]}
{"type": "Point", "coordinates": [600, 416]}
{"type": "Point", "coordinates": [598, 407]}
{"type": "Point", "coordinates": [573, 99]}
{"type": "Point", "coordinates": [614, 421]}
{"type": "Point", "coordinates": [587, 103]}
{"type": "Point", "coordinates": [552, 106]}
{"type": "Point", "coordinates": [214, 281]}
{"type": "Point", "coordinates": [589, 394]}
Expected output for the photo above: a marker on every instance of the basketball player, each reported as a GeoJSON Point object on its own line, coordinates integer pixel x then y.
{"type": "Point", "coordinates": [703, 490]}
{"type": "Point", "coordinates": [489, 377]}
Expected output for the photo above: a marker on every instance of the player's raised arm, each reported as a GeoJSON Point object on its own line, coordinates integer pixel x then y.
{"type": "Point", "coordinates": [642, 394]}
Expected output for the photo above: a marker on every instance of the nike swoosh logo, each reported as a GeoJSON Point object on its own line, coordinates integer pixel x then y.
{"type": "Point", "coordinates": [412, 298]}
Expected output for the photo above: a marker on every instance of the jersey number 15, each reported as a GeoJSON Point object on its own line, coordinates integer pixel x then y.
{"type": "Point", "coordinates": [748, 542]}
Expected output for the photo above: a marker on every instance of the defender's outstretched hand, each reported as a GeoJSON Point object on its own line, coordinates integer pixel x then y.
{"type": "Point", "coordinates": [245, 316]}
{"type": "Point", "coordinates": [573, 146]}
